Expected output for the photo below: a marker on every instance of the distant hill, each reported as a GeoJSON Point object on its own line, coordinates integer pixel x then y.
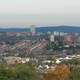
{"type": "Point", "coordinates": [44, 29]}
{"type": "Point", "coordinates": [14, 29]}
{"type": "Point", "coordinates": [59, 29]}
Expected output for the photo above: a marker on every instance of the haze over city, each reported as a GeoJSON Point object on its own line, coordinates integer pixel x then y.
{"type": "Point", "coordinates": [39, 12]}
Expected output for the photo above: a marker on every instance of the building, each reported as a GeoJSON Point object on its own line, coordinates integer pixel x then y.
{"type": "Point", "coordinates": [52, 38]}
{"type": "Point", "coordinates": [33, 29]}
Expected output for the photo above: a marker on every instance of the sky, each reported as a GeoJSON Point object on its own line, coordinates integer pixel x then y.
{"type": "Point", "coordinates": [39, 12]}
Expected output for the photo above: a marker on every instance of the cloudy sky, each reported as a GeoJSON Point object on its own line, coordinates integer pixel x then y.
{"type": "Point", "coordinates": [40, 12]}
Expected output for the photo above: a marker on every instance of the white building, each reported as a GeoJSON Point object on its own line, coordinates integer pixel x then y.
{"type": "Point", "coordinates": [52, 38]}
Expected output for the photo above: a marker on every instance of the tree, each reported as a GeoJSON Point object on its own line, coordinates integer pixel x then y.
{"type": "Point", "coordinates": [75, 73]}
{"type": "Point", "coordinates": [6, 72]}
{"type": "Point", "coordinates": [61, 72]}
{"type": "Point", "coordinates": [17, 72]}
{"type": "Point", "coordinates": [25, 72]}
{"type": "Point", "coordinates": [74, 65]}
{"type": "Point", "coordinates": [72, 62]}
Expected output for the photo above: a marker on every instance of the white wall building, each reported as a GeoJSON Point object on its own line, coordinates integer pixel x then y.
{"type": "Point", "coordinates": [52, 38]}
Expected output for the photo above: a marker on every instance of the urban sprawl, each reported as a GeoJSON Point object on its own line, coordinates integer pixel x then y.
{"type": "Point", "coordinates": [45, 50]}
